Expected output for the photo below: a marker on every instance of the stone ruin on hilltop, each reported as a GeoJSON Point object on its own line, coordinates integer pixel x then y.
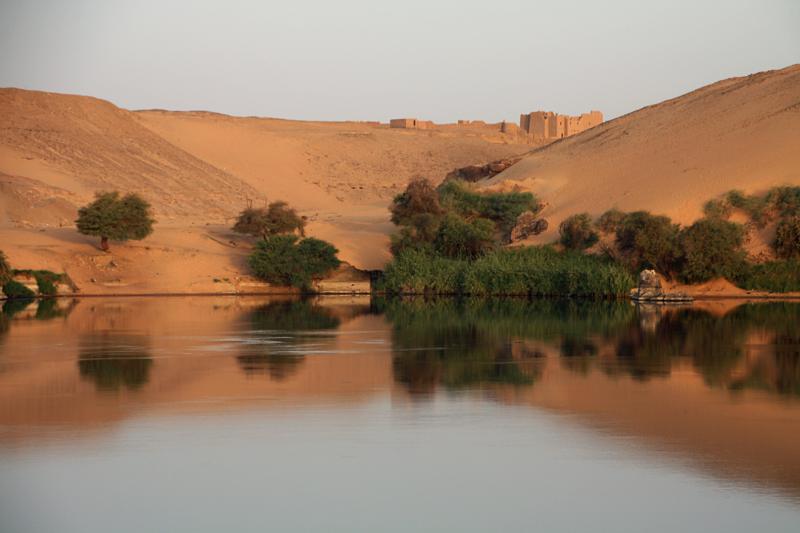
{"type": "Point", "coordinates": [536, 127]}
{"type": "Point", "coordinates": [546, 125]}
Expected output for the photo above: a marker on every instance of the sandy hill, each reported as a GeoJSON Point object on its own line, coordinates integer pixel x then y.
{"type": "Point", "coordinates": [198, 169]}
{"type": "Point", "coordinates": [669, 158]}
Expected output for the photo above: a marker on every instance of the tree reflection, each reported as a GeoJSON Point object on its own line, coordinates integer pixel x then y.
{"type": "Point", "coordinates": [46, 309]}
{"type": "Point", "coordinates": [776, 367]}
{"type": "Point", "coordinates": [115, 361]}
{"type": "Point", "coordinates": [278, 330]}
{"type": "Point", "coordinates": [464, 343]}
{"type": "Point", "coordinates": [646, 347]}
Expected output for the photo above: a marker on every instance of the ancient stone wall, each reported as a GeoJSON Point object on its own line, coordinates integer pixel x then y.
{"type": "Point", "coordinates": [509, 127]}
{"type": "Point", "coordinates": [411, 123]}
{"type": "Point", "coordinates": [546, 125]}
{"type": "Point", "coordinates": [403, 123]}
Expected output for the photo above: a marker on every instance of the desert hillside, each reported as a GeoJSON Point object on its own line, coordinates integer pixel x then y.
{"type": "Point", "coordinates": [669, 158]}
{"type": "Point", "coordinates": [198, 169]}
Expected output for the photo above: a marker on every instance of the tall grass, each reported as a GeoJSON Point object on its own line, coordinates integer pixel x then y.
{"type": "Point", "coordinates": [773, 276]}
{"type": "Point", "coordinates": [530, 271]}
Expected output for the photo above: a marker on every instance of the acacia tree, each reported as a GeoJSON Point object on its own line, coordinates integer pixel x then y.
{"type": "Point", "coordinates": [282, 260]}
{"type": "Point", "coordinates": [276, 219]}
{"type": "Point", "coordinates": [116, 218]}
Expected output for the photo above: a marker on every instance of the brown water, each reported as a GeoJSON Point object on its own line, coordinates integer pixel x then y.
{"type": "Point", "coordinates": [339, 414]}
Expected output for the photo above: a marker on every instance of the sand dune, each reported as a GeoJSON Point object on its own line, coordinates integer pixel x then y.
{"type": "Point", "coordinates": [670, 158]}
{"type": "Point", "coordinates": [198, 169]}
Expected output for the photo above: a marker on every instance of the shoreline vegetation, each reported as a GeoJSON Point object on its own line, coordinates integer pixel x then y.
{"type": "Point", "coordinates": [458, 240]}
{"type": "Point", "coordinates": [452, 240]}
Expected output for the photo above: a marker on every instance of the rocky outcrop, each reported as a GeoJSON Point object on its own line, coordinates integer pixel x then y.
{"type": "Point", "coordinates": [650, 290]}
{"type": "Point", "coordinates": [481, 172]}
{"type": "Point", "coordinates": [527, 225]}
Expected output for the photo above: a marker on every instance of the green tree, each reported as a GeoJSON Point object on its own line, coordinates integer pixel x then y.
{"type": "Point", "coordinates": [648, 241]}
{"type": "Point", "coordinates": [14, 289]}
{"type": "Point", "coordinates": [116, 218]}
{"type": "Point", "coordinates": [419, 198]}
{"type": "Point", "coordinates": [459, 238]}
{"type": "Point", "coordinates": [276, 219]}
{"type": "Point", "coordinates": [502, 208]}
{"type": "Point", "coordinates": [711, 248]}
{"type": "Point", "coordinates": [577, 232]}
{"type": "Point", "coordinates": [610, 220]}
{"type": "Point", "coordinates": [786, 200]}
{"type": "Point", "coordinates": [419, 235]}
{"type": "Point", "coordinates": [282, 260]}
{"type": "Point", "coordinates": [787, 238]}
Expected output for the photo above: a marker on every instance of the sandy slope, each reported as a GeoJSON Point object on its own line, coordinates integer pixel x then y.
{"type": "Point", "coordinates": [198, 170]}
{"type": "Point", "coordinates": [669, 158]}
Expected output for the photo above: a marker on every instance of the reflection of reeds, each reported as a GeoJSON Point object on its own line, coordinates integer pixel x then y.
{"type": "Point", "coordinates": [459, 343]}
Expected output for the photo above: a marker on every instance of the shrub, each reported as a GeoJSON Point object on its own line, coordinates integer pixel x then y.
{"type": "Point", "coordinates": [454, 220]}
{"type": "Point", "coordinates": [610, 220]}
{"type": "Point", "coordinates": [756, 207]}
{"type": "Point", "coordinates": [711, 248]}
{"type": "Point", "coordinates": [648, 241]}
{"type": "Point", "coordinates": [5, 268]}
{"type": "Point", "coordinates": [46, 286]}
{"type": "Point", "coordinates": [502, 208]}
{"type": "Point", "coordinates": [14, 289]}
{"type": "Point", "coordinates": [786, 200]}
{"type": "Point", "coordinates": [282, 260]}
{"type": "Point", "coordinates": [774, 276]}
{"type": "Point", "coordinates": [459, 238]}
{"type": "Point", "coordinates": [276, 219]}
{"type": "Point", "coordinates": [787, 237]}
{"type": "Point", "coordinates": [115, 218]}
{"type": "Point", "coordinates": [717, 209]}
{"type": "Point", "coordinates": [419, 198]}
{"type": "Point", "coordinates": [408, 238]}
{"type": "Point", "coordinates": [577, 232]}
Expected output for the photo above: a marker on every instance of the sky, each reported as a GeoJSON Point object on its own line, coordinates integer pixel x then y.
{"type": "Point", "coordinates": [439, 60]}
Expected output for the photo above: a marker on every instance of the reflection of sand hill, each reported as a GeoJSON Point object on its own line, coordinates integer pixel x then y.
{"type": "Point", "coordinates": [741, 436]}
{"type": "Point", "coordinates": [669, 158]}
{"type": "Point", "coordinates": [192, 345]}
{"type": "Point", "coordinates": [198, 170]}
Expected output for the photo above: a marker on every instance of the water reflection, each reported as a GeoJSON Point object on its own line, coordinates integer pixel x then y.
{"type": "Point", "coordinates": [711, 387]}
{"type": "Point", "coordinates": [21, 309]}
{"type": "Point", "coordinates": [115, 361]}
{"type": "Point", "coordinates": [462, 343]}
{"type": "Point", "coordinates": [277, 330]}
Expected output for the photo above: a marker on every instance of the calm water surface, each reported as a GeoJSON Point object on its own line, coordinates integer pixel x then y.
{"type": "Point", "coordinates": [346, 414]}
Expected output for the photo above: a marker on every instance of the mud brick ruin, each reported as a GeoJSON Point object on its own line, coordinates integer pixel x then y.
{"type": "Point", "coordinates": [546, 125]}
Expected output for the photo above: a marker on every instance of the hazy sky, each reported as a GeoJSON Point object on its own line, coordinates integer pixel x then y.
{"type": "Point", "coordinates": [374, 59]}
